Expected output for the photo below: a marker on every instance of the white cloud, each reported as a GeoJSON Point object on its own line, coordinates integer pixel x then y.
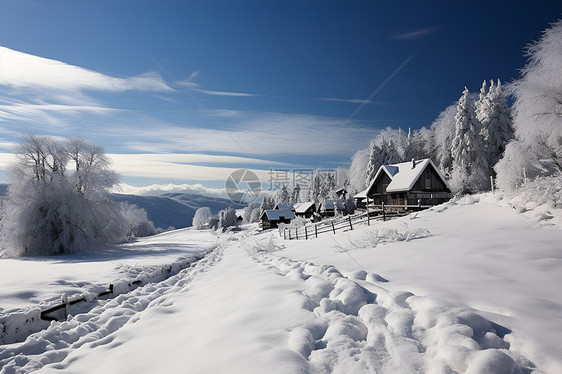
{"type": "Point", "coordinates": [225, 93]}
{"type": "Point", "coordinates": [259, 134]}
{"type": "Point", "coordinates": [159, 189]}
{"type": "Point", "coordinates": [19, 70]}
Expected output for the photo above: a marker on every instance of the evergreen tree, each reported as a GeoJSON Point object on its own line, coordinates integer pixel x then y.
{"type": "Point", "coordinates": [295, 196]}
{"type": "Point", "coordinates": [470, 169]}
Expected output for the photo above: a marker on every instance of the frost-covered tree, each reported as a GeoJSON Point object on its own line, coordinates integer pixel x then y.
{"type": "Point", "coordinates": [538, 97]}
{"type": "Point", "coordinates": [137, 220]}
{"type": "Point", "coordinates": [282, 195]}
{"type": "Point", "coordinates": [296, 194]}
{"type": "Point", "coordinates": [383, 151]}
{"type": "Point", "coordinates": [470, 169]}
{"type": "Point", "coordinates": [358, 170]}
{"type": "Point", "coordinates": [227, 218]}
{"type": "Point", "coordinates": [443, 129]}
{"type": "Point", "coordinates": [49, 211]}
{"type": "Point", "coordinates": [201, 218]}
{"type": "Point", "coordinates": [494, 115]}
{"type": "Point", "coordinates": [248, 212]}
{"type": "Point", "coordinates": [518, 164]}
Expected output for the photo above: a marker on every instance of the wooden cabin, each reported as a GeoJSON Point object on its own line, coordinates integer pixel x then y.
{"type": "Point", "coordinates": [305, 210]}
{"type": "Point", "coordinates": [281, 206]}
{"type": "Point", "coordinates": [414, 183]}
{"type": "Point", "coordinates": [361, 199]}
{"type": "Point", "coordinates": [272, 218]}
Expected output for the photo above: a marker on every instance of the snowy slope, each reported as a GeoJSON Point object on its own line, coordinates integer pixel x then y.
{"type": "Point", "coordinates": [480, 295]}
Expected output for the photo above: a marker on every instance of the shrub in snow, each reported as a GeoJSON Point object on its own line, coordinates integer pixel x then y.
{"type": "Point", "coordinates": [202, 218]}
{"type": "Point", "coordinates": [51, 210]}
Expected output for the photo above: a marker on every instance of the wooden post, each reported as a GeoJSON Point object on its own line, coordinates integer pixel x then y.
{"type": "Point", "coordinates": [297, 233]}
{"type": "Point", "coordinates": [305, 233]}
{"type": "Point", "coordinates": [492, 183]}
{"type": "Point", "coordinates": [368, 218]}
{"type": "Point", "coordinates": [350, 225]}
{"type": "Point", "coordinates": [289, 234]}
{"type": "Point", "coordinates": [383, 212]}
{"type": "Point", "coordinates": [284, 234]}
{"type": "Point", "coordinates": [333, 228]}
{"type": "Point", "coordinates": [316, 229]}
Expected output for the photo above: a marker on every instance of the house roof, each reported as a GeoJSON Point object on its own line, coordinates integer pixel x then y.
{"type": "Point", "coordinates": [362, 194]}
{"type": "Point", "coordinates": [303, 207]}
{"type": "Point", "coordinates": [276, 214]}
{"type": "Point", "coordinates": [403, 176]}
{"type": "Point", "coordinates": [284, 206]}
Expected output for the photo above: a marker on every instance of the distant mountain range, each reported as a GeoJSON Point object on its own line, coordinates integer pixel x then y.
{"type": "Point", "coordinates": [171, 209]}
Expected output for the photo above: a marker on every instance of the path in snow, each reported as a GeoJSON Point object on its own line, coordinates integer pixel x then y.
{"type": "Point", "coordinates": [243, 310]}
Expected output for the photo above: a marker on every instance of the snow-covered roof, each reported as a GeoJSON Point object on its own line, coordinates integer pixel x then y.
{"type": "Point", "coordinates": [303, 207]}
{"type": "Point", "coordinates": [403, 176]}
{"type": "Point", "coordinates": [276, 214]}
{"type": "Point", "coordinates": [284, 206]}
{"type": "Point", "coordinates": [362, 194]}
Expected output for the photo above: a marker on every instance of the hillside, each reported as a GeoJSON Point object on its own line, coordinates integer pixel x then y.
{"type": "Point", "coordinates": [479, 294]}
{"type": "Point", "coordinates": [174, 209]}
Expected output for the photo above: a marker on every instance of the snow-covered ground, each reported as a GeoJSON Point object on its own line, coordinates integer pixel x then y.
{"type": "Point", "coordinates": [481, 294]}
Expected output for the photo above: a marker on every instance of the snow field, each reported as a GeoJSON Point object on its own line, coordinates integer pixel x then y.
{"type": "Point", "coordinates": [96, 327]}
{"type": "Point", "coordinates": [360, 326]}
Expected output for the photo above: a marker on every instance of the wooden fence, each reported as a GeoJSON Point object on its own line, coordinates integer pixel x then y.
{"type": "Point", "coordinates": [374, 213]}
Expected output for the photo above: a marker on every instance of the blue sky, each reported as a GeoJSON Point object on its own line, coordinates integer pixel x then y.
{"type": "Point", "coordinates": [183, 92]}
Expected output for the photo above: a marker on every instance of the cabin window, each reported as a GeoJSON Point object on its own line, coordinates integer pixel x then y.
{"type": "Point", "coordinates": [428, 184]}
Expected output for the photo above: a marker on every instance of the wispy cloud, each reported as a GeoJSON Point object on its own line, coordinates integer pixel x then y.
{"type": "Point", "coordinates": [416, 33]}
{"type": "Point", "coordinates": [256, 133]}
{"type": "Point", "coordinates": [352, 101]}
{"type": "Point", "coordinates": [225, 93]}
{"type": "Point", "coordinates": [20, 69]}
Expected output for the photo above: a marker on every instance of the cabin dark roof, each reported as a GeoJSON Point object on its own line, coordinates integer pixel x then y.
{"type": "Point", "coordinates": [403, 176]}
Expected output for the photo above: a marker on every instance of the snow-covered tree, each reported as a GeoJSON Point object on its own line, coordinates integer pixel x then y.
{"type": "Point", "coordinates": [227, 218]}
{"type": "Point", "coordinates": [383, 151]}
{"type": "Point", "coordinates": [443, 129]}
{"type": "Point", "coordinates": [518, 164]}
{"type": "Point", "coordinates": [248, 212]}
{"type": "Point", "coordinates": [47, 210]}
{"type": "Point", "coordinates": [358, 170]}
{"type": "Point", "coordinates": [494, 115]}
{"type": "Point", "coordinates": [295, 195]}
{"type": "Point", "coordinates": [282, 195]}
{"type": "Point", "coordinates": [538, 97]}
{"type": "Point", "coordinates": [470, 169]}
{"type": "Point", "coordinates": [202, 218]}
{"type": "Point", "coordinates": [137, 220]}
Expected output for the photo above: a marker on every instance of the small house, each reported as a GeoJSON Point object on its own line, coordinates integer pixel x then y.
{"type": "Point", "coordinates": [328, 208]}
{"type": "Point", "coordinates": [281, 206]}
{"type": "Point", "coordinates": [272, 218]}
{"type": "Point", "coordinates": [305, 210]}
{"type": "Point", "coordinates": [418, 182]}
{"type": "Point", "coordinates": [361, 199]}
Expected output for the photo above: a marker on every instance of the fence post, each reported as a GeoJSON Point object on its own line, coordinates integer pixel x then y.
{"type": "Point", "coordinates": [289, 234]}
{"type": "Point", "coordinates": [316, 229]}
{"type": "Point", "coordinates": [350, 225]}
{"type": "Point", "coordinates": [284, 234]}
{"type": "Point", "coordinates": [305, 233]}
{"type": "Point", "coordinates": [297, 233]}
{"type": "Point", "coordinates": [492, 182]}
{"type": "Point", "coordinates": [333, 228]}
{"type": "Point", "coordinates": [368, 218]}
{"type": "Point", "coordinates": [383, 212]}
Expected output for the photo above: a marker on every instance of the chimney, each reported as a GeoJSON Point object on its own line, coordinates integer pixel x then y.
{"type": "Point", "coordinates": [413, 163]}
